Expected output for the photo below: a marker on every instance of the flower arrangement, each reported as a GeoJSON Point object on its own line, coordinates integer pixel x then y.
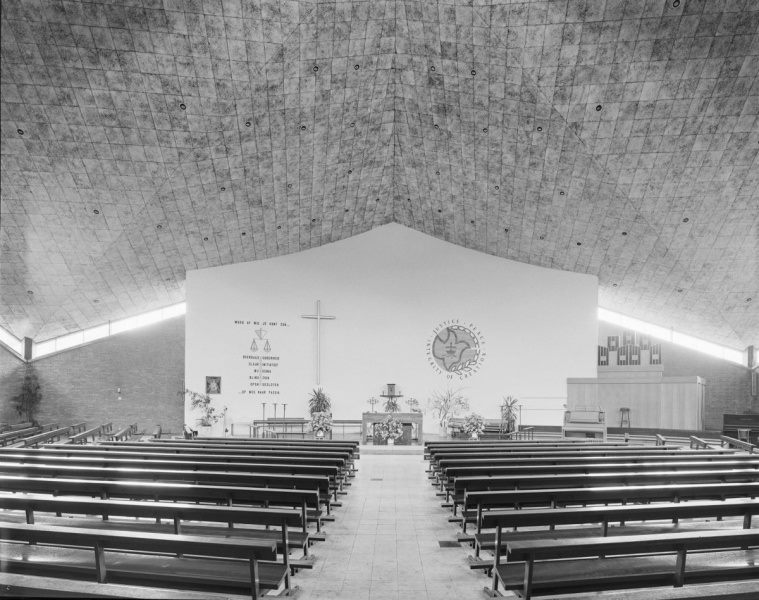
{"type": "Point", "coordinates": [389, 428]}
{"type": "Point", "coordinates": [474, 424]}
{"type": "Point", "coordinates": [321, 421]}
{"type": "Point", "coordinates": [209, 414]}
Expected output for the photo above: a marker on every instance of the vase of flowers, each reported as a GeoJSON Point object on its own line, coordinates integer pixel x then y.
{"type": "Point", "coordinates": [389, 429]}
{"type": "Point", "coordinates": [321, 424]}
{"type": "Point", "coordinates": [474, 425]}
{"type": "Point", "coordinates": [209, 414]}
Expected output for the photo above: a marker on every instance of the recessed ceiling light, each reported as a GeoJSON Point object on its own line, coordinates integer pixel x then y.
{"type": "Point", "coordinates": [440, 210]}
{"type": "Point", "coordinates": [474, 72]}
{"type": "Point", "coordinates": [561, 192]}
{"type": "Point", "coordinates": [472, 222]}
{"type": "Point", "coordinates": [598, 107]}
{"type": "Point", "coordinates": [96, 211]}
{"type": "Point", "coordinates": [20, 131]}
{"type": "Point", "coordinates": [243, 233]}
{"type": "Point", "coordinates": [313, 220]}
{"type": "Point", "coordinates": [159, 226]}
{"type": "Point", "coordinates": [302, 127]}
{"type": "Point", "coordinates": [542, 237]}
{"type": "Point", "coordinates": [432, 68]}
{"type": "Point", "coordinates": [485, 130]}
{"type": "Point", "coordinates": [613, 285]}
{"type": "Point", "coordinates": [579, 243]}
{"type": "Point", "coordinates": [540, 128]}
{"type": "Point", "coordinates": [437, 126]}
{"type": "Point", "coordinates": [350, 171]}
{"type": "Point", "coordinates": [437, 172]}
{"type": "Point", "coordinates": [347, 209]}
{"type": "Point", "coordinates": [30, 292]}
{"type": "Point", "coordinates": [355, 67]}
{"type": "Point", "coordinates": [498, 187]}
{"type": "Point", "coordinates": [506, 230]}
{"type": "Point", "coordinates": [289, 186]}
{"type": "Point", "coordinates": [279, 226]}
{"type": "Point", "coordinates": [624, 233]}
{"type": "Point", "coordinates": [748, 299]}
{"type": "Point", "coordinates": [408, 199]}
{"type": "Point", "coordinates": [686, 219]}
{"type": "Point", "coordinates": [247, 123]}
{"type": "Point", "coordinates": [679, 290]}
{"type": "Point", "coordinates": [183, 106]}
{"type": "Point", "coordinates": [353, 124]}
{"type": "Point", "coordinates": [676, 3]}
{"type": "Point", "coordinates": [205, 239]}
{"type": "Point", "coordinates": [376, 200]}
{"type": "Point", "coordinates": [223, 189]}
{"type": "Point", "coordinates": [316, 68]}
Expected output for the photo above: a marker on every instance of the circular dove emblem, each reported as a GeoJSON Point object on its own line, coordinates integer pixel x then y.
{"type": "Point", "coordinates": [456, 350]}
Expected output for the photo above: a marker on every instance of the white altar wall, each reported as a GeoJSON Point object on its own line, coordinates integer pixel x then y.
{"type": "Point", "coordinates": [391, 289]}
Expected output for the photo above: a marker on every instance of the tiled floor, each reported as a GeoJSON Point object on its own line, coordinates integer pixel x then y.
{"type": "Point", "coordinates": [384, 542]}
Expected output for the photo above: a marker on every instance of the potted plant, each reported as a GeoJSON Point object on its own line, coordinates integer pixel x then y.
{"type": "Point", "coordinates": [321, 424]}
{"type": "Point", "coordinates": [389, 429]}
{"type": "Point", "coordinates": [209, 415]}
{"type": "Point", "coordinates": [474, 425]}
{"type": "Point", "coordinates": [509, 409]}
{"type": "Point", "coordinates": [319, 402]}
{"type": "Point", "coordinates": [27, 401]}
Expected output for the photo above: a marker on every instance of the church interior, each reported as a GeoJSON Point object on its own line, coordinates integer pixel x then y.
{"type": "Point", "coordinates": [379, 300]}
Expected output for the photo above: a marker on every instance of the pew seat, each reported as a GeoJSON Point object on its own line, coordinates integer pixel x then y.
{"type": "Point", "coordinates": [630, 561]}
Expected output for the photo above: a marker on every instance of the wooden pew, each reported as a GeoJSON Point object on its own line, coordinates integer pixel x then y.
{"type": "Point", "coordinates": [122, 434]}
{"type": "Point", "coordinates": [464, 485]}
{"type": "Point", "coordinates": [550, 452]}
{"type": "Point", "coordinates": [307, 500]}
{"type": "Point", "coordinates": [42, 461]}
{"type": "Point", "coordinates": [552, 517]}
{"type": "Point", "coordinates": [100, 541]}
{"type": "Point", "coordinates": [285, 519]}
{"type": "Point", "coordinates": [642, 570]}
{"type": "Point", "coordinates": [44, 438]}
{"type": "Point", "coordinates": [451, 474]}
{"type": "Point", "coordinates": [740, 444]}
{"type": "Point", "coordinates": [601, 465]}
{"type": "Point", "coordinates": [15, 427]}
{"type": "Point", "coordinates": [695, 456]}
{"type": "Point", "coordinates": [319, 484]}
{"type": "Point", "coordinates": [476, 502]}
{"type": "Point", "coordinates": [9, 437]}
{"type": "Point", "coordinates": [81, 437]}
{"type": "Point", "coordinates": [150, 453]}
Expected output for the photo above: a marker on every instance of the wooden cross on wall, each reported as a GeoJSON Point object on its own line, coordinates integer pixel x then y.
{"type": "Point", "coordinates": [319, 318]}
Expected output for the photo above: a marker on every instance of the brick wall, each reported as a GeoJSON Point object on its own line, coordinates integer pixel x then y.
{"type": "Point", "coordinates": [80, 384]}
{"type": "Point", "coordinates": [728, 385]}
{"type": "Point", "coordinates": [11, 378]}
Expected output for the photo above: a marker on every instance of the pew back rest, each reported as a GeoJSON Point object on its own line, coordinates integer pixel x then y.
{"type": "Point", "coordinates": [640, 512]}
{"type": "Point", "coordinates": [631, 544]}
{"type": "Point", "coordinates": [145, 542]}
{"type": "Point", "coordinates": [166, 510]}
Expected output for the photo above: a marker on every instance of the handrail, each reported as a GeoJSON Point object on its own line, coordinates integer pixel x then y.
{"type": "Point", "coordinates": [697, 442]}
{"type": "Point", "coordinates": [661, 440]}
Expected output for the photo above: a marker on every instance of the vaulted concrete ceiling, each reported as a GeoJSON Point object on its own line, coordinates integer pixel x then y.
{"type": "Point", "coordinates": [612, 137]}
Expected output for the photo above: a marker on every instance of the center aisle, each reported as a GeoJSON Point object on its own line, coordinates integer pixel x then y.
{"type": "Point", "coordinates": [384, 543]}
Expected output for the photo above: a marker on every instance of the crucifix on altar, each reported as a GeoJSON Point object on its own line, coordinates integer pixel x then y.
{"type": "Point", "coordinates": [319, 317]}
